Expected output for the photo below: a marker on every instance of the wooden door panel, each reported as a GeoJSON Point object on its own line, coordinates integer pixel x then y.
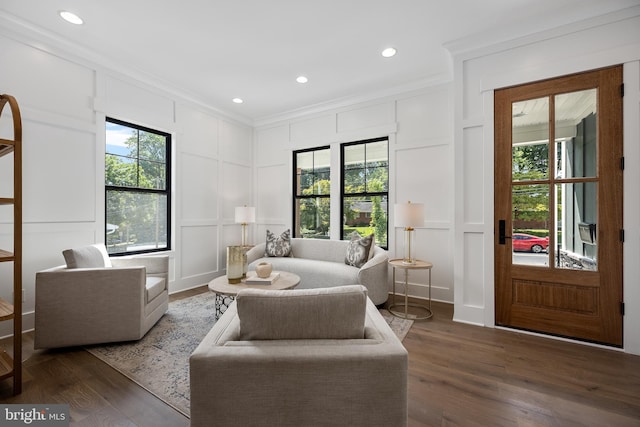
{"type": "Point", "coordinates": [553, 296]}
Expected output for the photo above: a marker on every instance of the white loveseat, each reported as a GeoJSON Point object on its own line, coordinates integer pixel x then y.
{"type": "Point", "coordinates": [320, 264]}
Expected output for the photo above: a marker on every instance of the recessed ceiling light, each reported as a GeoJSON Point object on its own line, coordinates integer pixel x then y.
{"type": "Point", "coordinates": [388, 52]}
{"type": "Point", "coordinates": [238, 100]}
{"type": "Point", "coordinates": [71, 17]}
{"type": "Point", "coordinates": [302, 79]}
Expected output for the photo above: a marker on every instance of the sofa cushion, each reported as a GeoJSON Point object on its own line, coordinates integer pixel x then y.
{"type": "Point", "coordinates": [319, 249]}
{"type": "Point", "coordinates": [278, 246]}
{"type": "Point", "coordinates": [358, 250]}
{"type": "Point", "coordinates": [325, 313]}
{"type": "Point", "coordinates": [92, 256]}
{"type": "Point", "coordinates": [154, 287]}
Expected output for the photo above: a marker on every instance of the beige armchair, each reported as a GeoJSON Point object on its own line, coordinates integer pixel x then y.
{"type": "Point", "coordinates": [91, 305]}
{"type": "Point", "coordinates": [309, 357]}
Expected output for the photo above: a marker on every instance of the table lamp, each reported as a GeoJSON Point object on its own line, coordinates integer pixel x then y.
{"type": "Point", "coordinates": [245, 215]}
{"type": "Point", "coordinates": [408, 215]}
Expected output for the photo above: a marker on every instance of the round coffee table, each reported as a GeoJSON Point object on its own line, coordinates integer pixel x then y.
{"type": "Point", "coordinates": [226, 292]}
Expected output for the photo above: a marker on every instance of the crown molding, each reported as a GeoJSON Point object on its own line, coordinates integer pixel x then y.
{"type": "Point", "coordinates": [490, 42]}
{"type": "Point", "coordinates": [39, 38]}
{"type": "Point", "coordinates": [340, 103]}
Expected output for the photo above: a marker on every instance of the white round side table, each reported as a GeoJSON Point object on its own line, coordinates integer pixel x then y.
{"type": "Point", "coordinates": [419, 265]}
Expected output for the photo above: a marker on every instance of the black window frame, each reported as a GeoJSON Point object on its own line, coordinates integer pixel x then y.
{"type": "Point", "coordinates": [365, 193]}
{"type": "Point", "coordinates": [140, 190]}
{"type": "Point", "coordinates": [296, 196]}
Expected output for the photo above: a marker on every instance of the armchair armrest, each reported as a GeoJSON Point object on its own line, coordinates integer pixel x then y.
{"type": "Point", "coordinates": [157, 265]}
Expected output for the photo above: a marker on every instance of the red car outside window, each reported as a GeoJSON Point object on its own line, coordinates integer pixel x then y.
{"type": "Point", "coordinates": [529, 243]}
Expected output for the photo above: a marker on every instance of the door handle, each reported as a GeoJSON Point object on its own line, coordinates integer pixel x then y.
{"type": "Point", "coordinates": [502, 237]}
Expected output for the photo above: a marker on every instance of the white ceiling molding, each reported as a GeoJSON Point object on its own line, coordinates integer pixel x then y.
{"type": "Point", "coordinates": [473, 47]}
{"type": "Point", "coordinates": [23, 32]}
{"type": "Point", "coordinates": [352, 100]}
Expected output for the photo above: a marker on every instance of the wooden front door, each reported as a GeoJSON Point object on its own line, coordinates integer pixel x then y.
{"type": "Point", "coordinates": [558, 206]}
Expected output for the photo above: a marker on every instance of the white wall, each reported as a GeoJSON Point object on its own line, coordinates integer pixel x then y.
{"type": "Point", "coordinates": [455, 180]}
{"type": "Point", "coordinates": [441, 153]}
{"type": "Point", "coordinates": [419, 125]}
{"type": "Point", "coordinates": [605, 41]}
{"type": "Point", "coordinates": [64, 102]}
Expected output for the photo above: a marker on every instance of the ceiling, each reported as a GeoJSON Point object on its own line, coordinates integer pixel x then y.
{"type": "Point", "coordinates": [212, 51]}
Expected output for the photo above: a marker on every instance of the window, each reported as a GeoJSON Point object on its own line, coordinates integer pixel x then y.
{"type": "Point", "coordinates": [312, 208]}
{"type": "Point", "coordinates": [137, 184]}
{"type": "Point", "coordinates": [365, 189]}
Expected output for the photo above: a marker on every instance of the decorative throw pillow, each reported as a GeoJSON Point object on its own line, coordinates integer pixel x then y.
{"type": "Point", "coordinates": [358, 250]}
{"type": "Point", "coordinates": [92, 256]}
{"type": "Point", "coordinates": [278, 246]}
{"type": "Point", "coordinates": [322, 313]}
{"type": "Point", "coordinates": [371, 248]}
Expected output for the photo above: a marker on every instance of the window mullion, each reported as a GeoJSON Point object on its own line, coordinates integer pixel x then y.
{"type": "Point", "coordinates": [138, 158]}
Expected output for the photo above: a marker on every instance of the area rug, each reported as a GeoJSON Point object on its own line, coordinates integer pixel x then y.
{"type": "Point", "coordinates": [399, 326]}
{"type": "Point", "coordinates": [159, 362]}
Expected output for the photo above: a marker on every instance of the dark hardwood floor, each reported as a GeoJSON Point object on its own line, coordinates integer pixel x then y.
{"type": "Point", "coordinates": [463, 375]}
{"type": "Point", "coordinates": [459, 375]}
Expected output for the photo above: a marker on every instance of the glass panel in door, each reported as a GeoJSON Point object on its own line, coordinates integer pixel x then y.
{"type": "Point", "coordinates": [576, 134]}
{"type": "Point", "coordinates": [530, 139]}
{"type": "Point", "coordinates": [576, 174]}
{"type": "Point", "coordinates": [530, 219]}
{"type": "Point", "coordinates": [530, 182]}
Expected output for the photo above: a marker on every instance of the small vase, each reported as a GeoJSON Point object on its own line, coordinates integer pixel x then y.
{"type": "Point", "coordinates": [263, 269]}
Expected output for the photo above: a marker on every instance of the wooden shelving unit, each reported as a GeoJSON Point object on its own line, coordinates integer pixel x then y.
{"type": "Point", "coordinates": [11, 366]}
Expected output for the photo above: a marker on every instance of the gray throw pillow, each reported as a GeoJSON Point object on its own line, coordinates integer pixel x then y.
{"type": "Point", "coordinates": [358, 250]}
{"type": "Point", "coordinates": [92, 256]}
{"type": "Point", "coordinates": [278, 246]}
{"type": "Point", "coordinates": [323, 313]}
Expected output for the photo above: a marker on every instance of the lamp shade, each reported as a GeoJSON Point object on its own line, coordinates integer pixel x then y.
{"type": "Point", "coordinates": [245, 214]}
{"type": "Point", "coordinates": [409, 215]}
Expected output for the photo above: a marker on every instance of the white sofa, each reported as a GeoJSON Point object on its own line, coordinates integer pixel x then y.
{"type": "Point", "coordinates": [303, 357]}
{"type": "Point", "coordinates": [320, 264]}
